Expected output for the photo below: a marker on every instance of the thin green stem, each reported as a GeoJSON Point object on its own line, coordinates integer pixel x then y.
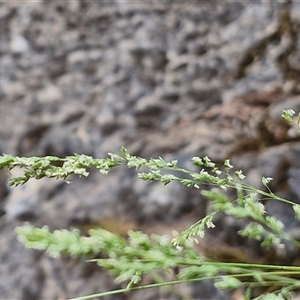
{"type": "Point", "coordinates": [149, 286]}
{"type": "Point", "coordinates": [239, 265]}
{"type": "Point", "coordinates": [277, 280]}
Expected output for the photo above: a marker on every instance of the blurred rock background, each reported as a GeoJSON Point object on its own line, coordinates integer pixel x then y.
{"type": "Point", "coordinates": [171, 79]}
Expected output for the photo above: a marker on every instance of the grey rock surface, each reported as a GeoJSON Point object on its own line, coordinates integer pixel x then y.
{"type": "Point", "coordinates": [167, 79]}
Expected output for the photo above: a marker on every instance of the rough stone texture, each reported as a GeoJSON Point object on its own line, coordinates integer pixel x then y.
{"type": "Point", "coordinates": [167, 79]}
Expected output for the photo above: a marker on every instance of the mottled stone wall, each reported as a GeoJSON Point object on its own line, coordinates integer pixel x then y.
{"type": "Point", "coordinates": [175, 79]}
